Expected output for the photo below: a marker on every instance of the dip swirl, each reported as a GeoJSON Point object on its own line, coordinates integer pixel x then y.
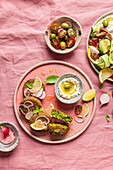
{"type": "Point", "coordinates": [68, 88]}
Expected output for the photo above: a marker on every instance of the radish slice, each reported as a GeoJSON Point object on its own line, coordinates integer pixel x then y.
{"type": "Point", "coordinates": [38, 93]}
{"type": "Point", "coordinates": [79, 120]}
{"type": "Point", "coordinates": [31, 103]}
{"type": "Point", "coordinates": [43, 95]}
{"type": "Point", "coordinates": [60, 29]}
{"type": "Point", "coordinates": [69, 23]}
{"type": "Point", "coordinates": [104, 99]}
{"type": "Point", "coordinates": [29, 114]}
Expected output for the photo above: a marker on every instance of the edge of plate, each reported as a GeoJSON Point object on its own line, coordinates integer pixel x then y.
{"type": "Point", "coordinates": [19, 120]}
{"type": "Point", "coordinates": [99, 19]}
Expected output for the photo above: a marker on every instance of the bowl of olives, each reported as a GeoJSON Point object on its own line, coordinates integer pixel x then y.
{"type": "Point", "coordinates": [63, 34]}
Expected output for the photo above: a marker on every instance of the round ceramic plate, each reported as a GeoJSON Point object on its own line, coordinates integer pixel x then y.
{"type": "Point", "coordinates": [12, 145]}
{"type": "Point", "coordinates": [99, 20]}
{"type": "Point", "coordinates": [43, 70]}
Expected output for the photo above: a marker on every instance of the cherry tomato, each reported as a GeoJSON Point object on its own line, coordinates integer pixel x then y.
{"type": "Point", "coordinates": [78, 109]}
{"type": "Point", "coordinates": [70, 42]}
{"type": "Point", "coordinates": [71, 33]}
{"type": "Point", "coordinates": [55, 43]}
{"type": "Point", "coordinates": [54, 27]}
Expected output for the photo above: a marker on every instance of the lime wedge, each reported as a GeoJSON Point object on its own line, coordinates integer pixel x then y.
{"type": "Point", "coordinates": [38, 83]}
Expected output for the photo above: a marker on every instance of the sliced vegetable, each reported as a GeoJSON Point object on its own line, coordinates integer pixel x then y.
{"type": "Point", "coordinates": [61, 33]}
{"type": "Point", "coordinates": [70, 42]}
{"type": "Point", "coordinates": [104, 99]}
{"type": "Point", "coordinates": [43, 95]}
{"type": "Point", "coordinates": [85, 110]}
{"type": "Point", "coordinates": [38, 93]}
{"type": "Point", "coordinates": [104, 45]}
{"type": "Point", "coordinates": [78, 109]}
{"type": "Point", "coordinates": [81, 119]}
{"type": "Point", "coordinates": [105, 58]}
{"type": "Point", "coordinates": [54, 27]}
{"type": "Point", "coordinates": [55, 43]}
{"type": "Point", "coordinates": [111, 57]}
{"type": "Point", "coordinates": [96, 28]}
{"type": "Point", "coordinates": [72, 33]}
{"type": "Point", "coordinates": [29, 114]}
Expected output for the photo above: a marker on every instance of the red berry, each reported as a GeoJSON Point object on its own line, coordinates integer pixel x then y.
{"type": "Point", "coordinates": [5, 131]}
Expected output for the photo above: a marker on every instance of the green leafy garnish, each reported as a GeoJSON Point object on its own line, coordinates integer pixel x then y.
{"type": "Point", "coordinates": [108, 118]}
{"type": "Point", "coordinates": [57, 130]}
{"type": "Point", "coordinates": [100, 85]}
{"type": "Point", "coordinates": [51, 79]}
{"type": "Point", "coordinates": [108, 93]}
{"type": "Point", "coordinates": [29, 85]}
{"type": "Point", "coordinates": [38, 110]}
{"type": "Point", "coordinates": [111, 67]}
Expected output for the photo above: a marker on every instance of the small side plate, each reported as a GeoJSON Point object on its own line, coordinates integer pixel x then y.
{"type": "Point", "coordinates": [13, 145]}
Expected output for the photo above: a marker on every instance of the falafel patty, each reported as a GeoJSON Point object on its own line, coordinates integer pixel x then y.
{"type": "Point", "coordinates": [58, 129]}
{"type": "Point", "coordinates": [25, 87]}
{"type": "Point", "coordinates": [61, 116]}
{"type": "Point", "coordinates": [29, 104]}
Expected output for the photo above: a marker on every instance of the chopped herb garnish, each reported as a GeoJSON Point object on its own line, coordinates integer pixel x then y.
{"type": "Point", "coordinates": [108, 93]}
{"type": "Point", "coordinates": [57, 130]}
{"type": "Point", "coordinates": [29, 85]}
{"type": "Point", "coordinates": [108, 118]}
{"type": "Point", "coordinates": [100, 85]}
{"type": "Point", "coordinates": [38, 110]}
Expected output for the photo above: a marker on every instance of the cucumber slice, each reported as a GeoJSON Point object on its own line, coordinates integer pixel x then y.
{"type": "Point", "coordinates": [96, 27]}
{"type": "Point", "coordinates": [105, 58]}
{"type": "Point", "coordinates": [110, 58]}
{"type": "Point", "coordinates": [100, 62]}
{"type": "Point", "coordinates": [104, 45]}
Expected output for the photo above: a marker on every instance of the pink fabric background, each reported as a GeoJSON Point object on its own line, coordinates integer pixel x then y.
{"type": "Point", "coordinates": [22, 45]}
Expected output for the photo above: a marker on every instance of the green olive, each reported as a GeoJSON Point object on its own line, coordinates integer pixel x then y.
{"type": "Point", "coordinates": [62, 45]}
{"type": "Point", "coordinates": [66, 37]}
{"type": "Point", "coordinates": [67, 85]}
{"type": "Point", "coordinates": [57, 38]}
{"type": "Point", "coordinates": [105, 23]}
{"type": "Point", "coordinates": [65, 25]}
{"type": "Point", "coordinates": [52, 35]}
{"type": "Point", "coordinates": [93, 35]}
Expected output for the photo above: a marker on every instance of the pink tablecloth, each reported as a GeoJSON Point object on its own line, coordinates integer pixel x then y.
{"type": "Point", "coordinates": [22, 45]}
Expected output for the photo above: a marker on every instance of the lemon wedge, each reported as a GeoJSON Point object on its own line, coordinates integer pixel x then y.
{"type": "Point", "coordinates": [38, 125]}
{"type": "Point", "coordinates": [104, 74]}
{"type": "Point", "coordinates": [89, 95]}
{"type": "Point", "coordinates": [37, 83]}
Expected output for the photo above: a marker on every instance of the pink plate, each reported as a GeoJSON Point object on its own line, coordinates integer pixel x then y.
{"type": "Point", "coordinates": [43, 70]}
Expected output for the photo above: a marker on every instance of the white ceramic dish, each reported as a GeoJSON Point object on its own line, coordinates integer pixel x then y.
{"type": "Point", "coordinates": [81, 89]}
{"type": "Point", "coordinates": [99, 20]}
{"type": "Point", "coordinates": [77, 27]}
{"type": "Point", "coordinates": [12, 145]}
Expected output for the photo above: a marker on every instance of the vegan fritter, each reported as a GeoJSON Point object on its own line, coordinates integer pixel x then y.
{"type": "Point", "coordinates": [58, 129]}
{"type": "Point", "coordinates": [29, 82]}
{"type": "Point", "coordinates": [29, 104]}
{"type": "Point", "coordinates": [61, 116]}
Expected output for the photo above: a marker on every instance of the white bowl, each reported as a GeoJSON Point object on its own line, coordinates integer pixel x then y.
{"type": "Point", "coordinates": [76, 26]}
{"type": "Point", "coordinates": [75, 99]}
{"type": "Point", "coordinates": [9, 147]}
